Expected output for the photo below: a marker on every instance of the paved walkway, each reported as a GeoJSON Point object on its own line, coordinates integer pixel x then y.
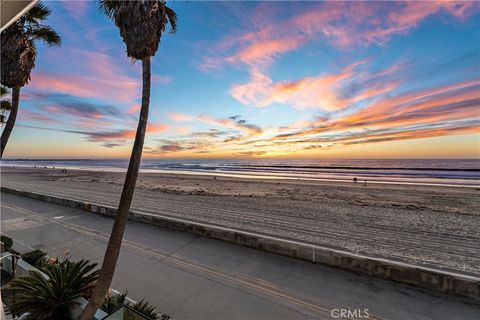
{"type": "Point", "coordinates": [190, 277]}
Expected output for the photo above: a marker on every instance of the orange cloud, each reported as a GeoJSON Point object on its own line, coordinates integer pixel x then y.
{"type": "Point", "coordinates": [180, 116]}
{"type": "Point", "coordinates": [322, 92]}
{"type": "Point", "coordinates": [264, 51]}
{"type": "Point", "coordinates": [456, 101]}
{"type": "Point", "coordinates": [134, 109]}
{"type": "Point", "coordinates": [118, 137]}
{"type": "Point", "coordinates": [156, 127]}
{"type": "Point", "coordinates": [459, 101]}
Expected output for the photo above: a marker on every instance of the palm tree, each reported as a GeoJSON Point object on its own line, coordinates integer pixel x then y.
{"type": "Point", "coordinates": [18, 56]}
{"type": "Point", "coordinates": [141, 24]}
{"type": "Point", "coordinates": [51, 297]}
{"type": "Point", "coordinates": [6, 104]}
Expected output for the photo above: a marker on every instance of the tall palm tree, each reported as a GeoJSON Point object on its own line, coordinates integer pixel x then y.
{"type": "Point", "coordinates": [18, 56]}
{"type": "Point", "coordinates": [141, 24]}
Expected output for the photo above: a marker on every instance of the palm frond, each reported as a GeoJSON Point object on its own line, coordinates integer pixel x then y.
{"type": "Point", "coordinates": [51, 297]}
{"type": "Point", "coordinates": [113, 302]}
{"type": "Point", "coordinates": [5, 105]}
{"type": "Point", "coordinates": [172, 19]}
{"type": "Point", "coordinates": [141, 24]}
{"type": "Point", "coordinates": [109, 7]}
{"type": "Point", "coordinates": [47, 35]}
{"type": "Point", "coordinates": [37, 13]}
{"type": "Point", "coordinates": [17, 57]}
{"type": "Point", "coordinates": [3, 91]}
{"type": "Point", "coordinates": [145, 308]}
{"type": "Point", "coordinates": [18, 45]}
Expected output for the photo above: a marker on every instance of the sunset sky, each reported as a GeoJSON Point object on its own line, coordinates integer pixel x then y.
{"type": "Point", "coordinates": [271, 79]}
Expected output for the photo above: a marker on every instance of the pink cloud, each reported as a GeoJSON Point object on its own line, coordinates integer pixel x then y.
{"type": "Point", "coordinates": [454, 102]}
{"type": "Point", "coordinates": [264, 51]}
{"type": "Point", "coordinates": [362, 23]}
{"type": "Point", "coordinates": [119, 136]}
{"type": "Point", "coordinates": [52, 109]}
{"type": "Point", "coordinates": [255, 91]}
{"type": "Point", "coordinates": [89, 74]}
{"type": "Point", "coordinates": [25, 114]}
{"type": "Point", "coordinates": [180, 116]}
{"type": "Point", "coordinates": [343, 24]}
{"type": "Point", "coordinates": [323, 92]}
{"type": "Point", "coordinates": [134, 109]}
{"type": "Point", "coordinates": [120, 88]}
{"type": "Point", "coordinates": [76, 9]}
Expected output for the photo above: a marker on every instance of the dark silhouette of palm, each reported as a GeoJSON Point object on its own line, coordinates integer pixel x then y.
{"type": "Point", "coordinates": [18, 56]}
{"type": "Point", "coordinates": [141, 25]}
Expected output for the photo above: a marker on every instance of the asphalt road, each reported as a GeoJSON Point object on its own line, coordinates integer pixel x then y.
{"type": "Point", "coordinates": [190, 277]}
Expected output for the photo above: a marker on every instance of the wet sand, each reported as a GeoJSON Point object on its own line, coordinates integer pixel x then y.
{"type": "Point", "coordinates": [424, 225]}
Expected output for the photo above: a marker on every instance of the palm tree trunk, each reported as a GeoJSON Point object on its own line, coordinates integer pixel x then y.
{"type": "Point", "coordinates": [114, 244]}
{"type": "Point", "coordinates": [11, 119]}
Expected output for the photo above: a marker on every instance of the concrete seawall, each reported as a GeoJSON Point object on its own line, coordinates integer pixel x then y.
{"type": "Point", "coordinates": [464, 286]}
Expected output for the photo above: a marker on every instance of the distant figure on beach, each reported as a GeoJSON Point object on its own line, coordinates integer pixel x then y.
{"type": "Point", "coordinates": [365, 182]}
{"type": "Point", "coordinates": [214, 178]}
{"type": "Point", "coordinates": [35, 166]}
{"type": "Point", "coordinates": [355, 180]}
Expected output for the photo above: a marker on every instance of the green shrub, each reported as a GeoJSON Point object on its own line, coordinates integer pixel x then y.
{"type": "Point", "coordinates": [51, 299]}
{"type": "Point", "coordinates": [35, 257]}
{"type": "Point", "coordinates": [7, 241]}
{"type": "Point", "coordinates": [113, 302]}
{"type": "Point", "coordinates": [145, 308]}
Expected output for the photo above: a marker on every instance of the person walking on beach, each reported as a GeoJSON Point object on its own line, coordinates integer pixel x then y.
{"type": "Point", "coordinates": [355, 180]}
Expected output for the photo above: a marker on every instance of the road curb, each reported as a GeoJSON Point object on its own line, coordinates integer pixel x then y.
{"type": "Point", "coordinates": [464, 286]}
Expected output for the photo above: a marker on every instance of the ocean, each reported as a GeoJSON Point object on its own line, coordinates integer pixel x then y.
{"type": "Point", "coordinates": [455, 172]}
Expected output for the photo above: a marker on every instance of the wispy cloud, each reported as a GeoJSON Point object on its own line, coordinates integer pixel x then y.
{"type": "Point", "coordinates": [83, 109]}
{"type": "Point", "coordinates": [437, 111]}
{"type": "Point", "coordinates": [326, 91]}
{"type": "Point", "coordinates": [134, 109]}
{"type": "Point", "coordinates": [107, 138]}
{"type": "Point", "coordinates": [343, 24]}
{"type": "Point", "coordinates": [89, 75]}
{"type": "Point", "coordinates": [25, 114]}
{"type": "Point", "coordinates": [76, 9]}
{"type": "Point", "coordinates": [234, 122]}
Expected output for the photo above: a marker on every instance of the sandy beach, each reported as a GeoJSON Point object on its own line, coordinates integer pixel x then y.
{"type": "Point", "coordinates": [423, 225]}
